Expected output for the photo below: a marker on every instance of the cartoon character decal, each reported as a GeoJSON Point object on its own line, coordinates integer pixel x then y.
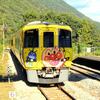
{"type": "Point", "coordinates": [53, 57]}
{"type": "Point", "coordinates": [31, 56]}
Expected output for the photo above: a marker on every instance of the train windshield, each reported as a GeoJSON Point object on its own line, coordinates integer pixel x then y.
{"type": "Point", "coordinates": [64, 38]}
{"type": "Point", "coordinates": [31, 38]}
{"type": "Point", "coordinates": [48, 39]}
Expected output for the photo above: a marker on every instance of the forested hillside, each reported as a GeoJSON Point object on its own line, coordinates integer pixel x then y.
{"type": "Point", "coordinates": [16, 13]}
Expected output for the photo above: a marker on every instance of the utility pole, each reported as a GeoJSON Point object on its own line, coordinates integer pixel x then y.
{"type": "Point", "coordinates": [78, 45]}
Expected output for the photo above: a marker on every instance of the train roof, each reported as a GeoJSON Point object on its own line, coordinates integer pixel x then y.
{"type": "Point", "coordinates": [39, 24]}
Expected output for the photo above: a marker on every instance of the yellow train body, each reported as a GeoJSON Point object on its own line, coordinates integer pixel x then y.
{"type": "Point", "coordinates": [46, 51]}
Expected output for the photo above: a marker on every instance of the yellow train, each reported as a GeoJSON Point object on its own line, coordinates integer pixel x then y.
{"type": "Point", "coordinates": [44, 50]}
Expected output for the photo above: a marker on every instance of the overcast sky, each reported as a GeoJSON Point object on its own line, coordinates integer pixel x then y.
{"type": "Point", "coordinates": [90, 8]}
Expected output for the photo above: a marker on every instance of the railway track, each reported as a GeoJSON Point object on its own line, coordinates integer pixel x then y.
{"type": "Point", "coordinates": [94, 74]}
{"type": "Point", "coordinates": [55, 93]}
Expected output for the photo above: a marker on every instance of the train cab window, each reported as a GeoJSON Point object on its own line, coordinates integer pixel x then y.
{"type": "Point", "coordinates": [48, 39]}
{"type": "Point", "coordinates": [64, 38]}
{"type": "Point", "coordinates": [31, 38]}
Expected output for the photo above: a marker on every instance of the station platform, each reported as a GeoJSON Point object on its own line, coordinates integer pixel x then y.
{"type": "Point", "coordinates": [89, 61]}
{"type": "Point", "coordinates": [94, 58]}
{"type": "Point", "coordinates": [6, 64]}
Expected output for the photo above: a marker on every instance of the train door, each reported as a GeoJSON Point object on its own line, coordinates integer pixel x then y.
{"type": "Point", "coordinates": [49, 44]}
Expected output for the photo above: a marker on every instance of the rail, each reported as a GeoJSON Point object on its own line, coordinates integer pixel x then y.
{"type": "Point", "coordinates": [55, 92]}
{"type": "Point", "coordinates": [87, 72]}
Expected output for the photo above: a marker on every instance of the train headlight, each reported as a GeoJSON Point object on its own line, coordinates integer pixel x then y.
{"type": "Point", "coordinates": [31, 57]}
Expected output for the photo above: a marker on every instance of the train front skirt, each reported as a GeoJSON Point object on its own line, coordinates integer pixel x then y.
{"type": "Point", "coordinates": [34, 77]}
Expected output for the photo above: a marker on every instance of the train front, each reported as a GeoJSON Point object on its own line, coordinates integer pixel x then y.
{"type": "Point", "coordinates": [47, 53]}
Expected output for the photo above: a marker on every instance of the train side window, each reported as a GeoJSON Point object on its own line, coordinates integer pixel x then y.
{"type": "Point", "coordinates": [64, 38]}
{"type": "Point", "coordinates": [31, 38]}
{"type": "Point", "coordinates": [11, 42]}
{"type": "Point", "coordinates": [17, 42]}
{"type": "Point", "coordinates": [48, 39]}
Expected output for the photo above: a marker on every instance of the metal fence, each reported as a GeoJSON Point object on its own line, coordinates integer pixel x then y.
{"type": "Point", "coordinates": [91, 51]}
{"type": "Point", "coordinates": [86, 51]}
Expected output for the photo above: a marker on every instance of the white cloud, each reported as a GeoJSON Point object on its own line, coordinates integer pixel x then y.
{"type": "Point", "coordinates": [90, 8]}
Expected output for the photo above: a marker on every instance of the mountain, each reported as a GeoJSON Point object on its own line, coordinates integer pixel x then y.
{"type": "Point", "coordinates": [58, 6]}
{"type": "Point", "coordinates": [14, 9]}
{"type": "Point", "coordinates": [16, 12]}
